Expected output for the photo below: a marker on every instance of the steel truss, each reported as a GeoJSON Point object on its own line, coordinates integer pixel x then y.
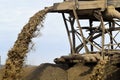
{"type": "Point", "coordinates": [110, 28]}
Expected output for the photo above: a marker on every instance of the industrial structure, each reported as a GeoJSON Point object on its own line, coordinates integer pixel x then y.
{"type": "Point", "coordinates": [99, 37]}
{"type": "Point", "coordinates": [97, 41]}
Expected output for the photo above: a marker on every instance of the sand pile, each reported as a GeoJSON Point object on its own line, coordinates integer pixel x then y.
{"type": "Point", "coordinates": [48, 72]}
{"type": "Point", "coordinates": [112, 68]}
{"type": "Point", "coordinates": [60, 72]}
{"type": "Point", "coordinates": [98, 72]}
{"type": "Point", "coordinates": [107, 69]}
{"type": "Point", "coordinates": [79, 72]}
{"type": "Point", "coordinates": [103, 70]}
{"type": "Point", "coordinates": [17, 54]}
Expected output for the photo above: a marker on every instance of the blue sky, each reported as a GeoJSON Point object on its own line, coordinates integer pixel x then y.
{"type": "Point", "coordinates": [51, 43]}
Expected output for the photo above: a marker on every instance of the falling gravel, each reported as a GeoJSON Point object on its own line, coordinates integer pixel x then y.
{"type": "Point", "coordinates": [16, 55]}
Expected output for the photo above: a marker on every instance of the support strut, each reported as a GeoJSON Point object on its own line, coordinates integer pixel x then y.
{"type": "Point", "coordinates": [80, 29]}
{"type": "Point", "coordinates": [98, 15]}
{"type": "Point", "coordinates": [69, 38]}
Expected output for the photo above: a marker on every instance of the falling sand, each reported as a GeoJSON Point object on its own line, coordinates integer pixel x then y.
{"type": "Point", "coordinates": [16, 56]}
